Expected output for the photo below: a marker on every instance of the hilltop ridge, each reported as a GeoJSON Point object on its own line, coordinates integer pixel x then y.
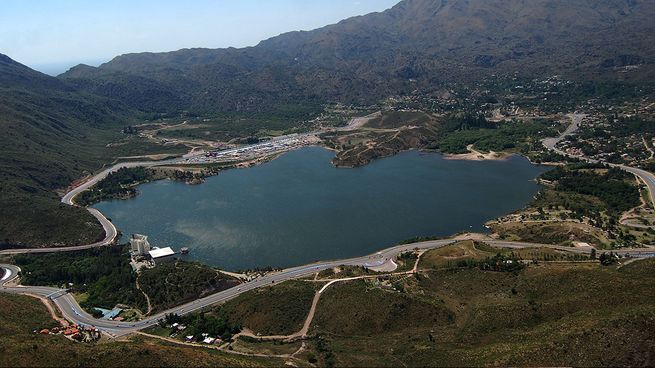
{"type": "Point", "coordinates": [416, 44]}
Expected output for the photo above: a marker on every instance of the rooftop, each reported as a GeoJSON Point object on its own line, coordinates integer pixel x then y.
{"type": "Point", "coordinates": [161, 252]}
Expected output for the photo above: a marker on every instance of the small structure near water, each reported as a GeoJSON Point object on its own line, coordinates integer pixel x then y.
{"type": "Point", "coordinates": [161, 255]}
{"type": "Point", "coordinates": [139, 245]}
{"type": "Point", "coordinates": [145, 256]}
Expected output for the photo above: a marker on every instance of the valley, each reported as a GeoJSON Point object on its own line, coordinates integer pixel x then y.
{"type": "Point", "coordinates": [441, 183]}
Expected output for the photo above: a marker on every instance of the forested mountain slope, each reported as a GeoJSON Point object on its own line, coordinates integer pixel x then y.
{"type": "Point", "coordinates": [51, 134]}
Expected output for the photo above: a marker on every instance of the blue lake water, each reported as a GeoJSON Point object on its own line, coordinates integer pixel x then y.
{"type": "Point", "coordinates": [299, 208]}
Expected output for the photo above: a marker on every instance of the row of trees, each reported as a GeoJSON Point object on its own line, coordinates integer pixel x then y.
{"type": "Point", "coordinates": [498, 263]}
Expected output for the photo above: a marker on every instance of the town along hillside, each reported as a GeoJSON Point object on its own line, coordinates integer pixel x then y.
{"type": "Point", "coordinates": [416, 45]}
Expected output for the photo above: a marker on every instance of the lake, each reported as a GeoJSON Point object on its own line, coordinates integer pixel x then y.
{"type": "Point", "coordinates": [298, 208]}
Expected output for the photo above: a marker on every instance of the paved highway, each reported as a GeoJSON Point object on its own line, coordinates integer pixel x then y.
{"type": "Point", "coordinates": [645, 176]}
{"type": "Point", "coordinates": [74, 313]}
{"type": "Point", "coordinates": [576, 120]}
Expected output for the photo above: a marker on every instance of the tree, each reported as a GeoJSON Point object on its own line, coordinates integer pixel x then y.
{"type": "Point", "coordinates": [608, 259]}
{"type": "Point", "coordinates": [96, 313]}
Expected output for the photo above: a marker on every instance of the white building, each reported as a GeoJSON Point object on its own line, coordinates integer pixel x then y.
{"type": "Point", "coordinates": [139, 245]}
{"type": "Point", "coordinates": [162, 255]}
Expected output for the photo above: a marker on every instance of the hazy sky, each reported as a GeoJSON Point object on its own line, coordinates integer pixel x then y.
{"type": "Point", "coordinates": [50, 35]}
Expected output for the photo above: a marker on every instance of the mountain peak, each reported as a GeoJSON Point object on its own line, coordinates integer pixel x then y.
{"type": "Point", "coordinates": [6, 60]}
{"type": "Point", "coordinates": [79, 71]}
{"type": "Point", "coordinates": [366, 58]}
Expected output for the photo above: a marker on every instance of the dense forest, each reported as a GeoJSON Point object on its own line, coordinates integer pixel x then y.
{"type": "Point", "coordinates": [461, 132]}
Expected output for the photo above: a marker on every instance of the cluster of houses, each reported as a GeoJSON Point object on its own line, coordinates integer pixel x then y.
{"type": "Point", "coordinates": [179, 328]}
{"type": "Point", "coordinates": [206, 339]}
{"type": "Point", "coordinates": [74, 332]}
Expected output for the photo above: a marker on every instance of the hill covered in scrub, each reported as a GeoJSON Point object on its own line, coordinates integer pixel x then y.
{"type": "Point", "coordinates": [51, 134]}
{"type": "Point", "coordinates": [56, 130]}
{"type": "Point", "coordinates": [417, 44]}
{"type": "Point", "coordinates": [20, 347]}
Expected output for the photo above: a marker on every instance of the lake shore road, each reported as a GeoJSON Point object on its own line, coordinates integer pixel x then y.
{"type": "Point", "coordinates": [71, 310]}
{"type": "Point", "coordinates": [111, 233]}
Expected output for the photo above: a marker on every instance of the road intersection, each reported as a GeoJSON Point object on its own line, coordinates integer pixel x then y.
{"type": "Point", "coordinates": [74, 313]}
{"type": "Point", "coordinates": [111, 233]}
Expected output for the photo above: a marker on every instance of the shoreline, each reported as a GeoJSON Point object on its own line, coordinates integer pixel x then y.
{"type": "Point", "coordinates": [474, 155]}
{"type": "Point", "coordinates": [110, 229]}
{"type": "Point", "coordinates": [88, 182]}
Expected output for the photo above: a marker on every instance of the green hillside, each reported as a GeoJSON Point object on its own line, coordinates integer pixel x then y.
{"type": "Point", "coordinates": [454, 314]}
{"type": "Point", "coordinates": [52, 134]}
{"type": "Point", "coordinates": [426, 45]}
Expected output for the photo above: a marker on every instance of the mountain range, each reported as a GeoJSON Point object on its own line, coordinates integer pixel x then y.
{"type": "Point", "coordinates": [417, 44]}
{"type": "Point", "coordinates": [56, 129]}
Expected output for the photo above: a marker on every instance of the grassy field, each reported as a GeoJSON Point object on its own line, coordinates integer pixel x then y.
{"type": "Point", "coordinates": [277, 310]}
{"type": "Point", "coordinates": [250, 345]}
{"type": "Point", "coordinates": [561, 233]}
{"type": "Point", "coordinates": [470, 317]}
{"type": "Point", "coordinates": [547, 314]}
{"type": "Point", "coordinates": [344, 272]}
{"type": "Point", "coordinates": [19, 347]}
{"type": "Point", "coordinates": [449, 257]}
{"type": "Point", "coordinates": [444, 257]}
{"type": "Point", "coordinates": [399, 119]}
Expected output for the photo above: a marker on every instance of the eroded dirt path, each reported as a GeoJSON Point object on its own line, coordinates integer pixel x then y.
{"type": "Point", "coordinates": [138, 286]}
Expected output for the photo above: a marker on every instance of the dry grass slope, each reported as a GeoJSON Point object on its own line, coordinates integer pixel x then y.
{"type": "Point", "coordinates": [19, 347]}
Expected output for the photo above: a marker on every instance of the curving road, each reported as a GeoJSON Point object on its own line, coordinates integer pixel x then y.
{"type": "Point", "coordinates": [576, 120]}
{"type": "Point", "coordinates": [111, 233]}
{"type": "Point", "coordinates": [74, 313]}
